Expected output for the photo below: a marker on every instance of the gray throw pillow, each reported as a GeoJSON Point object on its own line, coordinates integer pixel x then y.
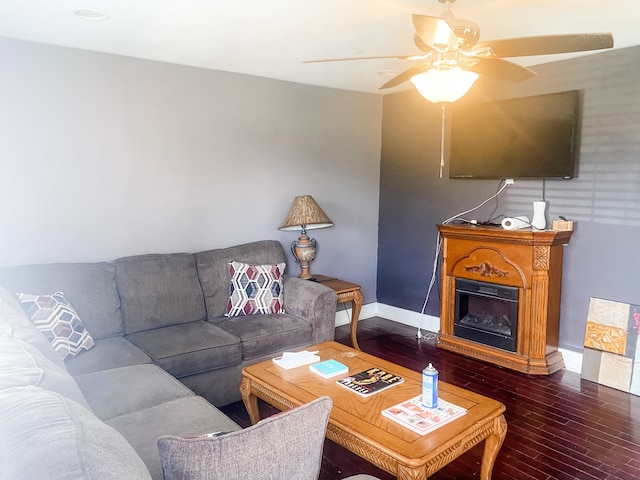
{"type": "Point", "coordinates": [286, 445]}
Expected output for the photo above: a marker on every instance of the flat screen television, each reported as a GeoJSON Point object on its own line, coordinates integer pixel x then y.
{"type": "Point", "coordinates": [529, 137]}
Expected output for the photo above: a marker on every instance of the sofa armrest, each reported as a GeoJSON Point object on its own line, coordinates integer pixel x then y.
{"type": "Point", "coordinates": [312, 301]}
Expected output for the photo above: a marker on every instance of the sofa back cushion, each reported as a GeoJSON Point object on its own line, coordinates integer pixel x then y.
{"type": "Point", "coordinates": [89, 287]}
{"type": "Point", "coordinates": [45, 435]}
{"type": "Point", "coordinates": [213, 269]}
{"type": "Point", "coordinates": [159, 291]}
{"type": "Point", "coordinates": [23, 365]}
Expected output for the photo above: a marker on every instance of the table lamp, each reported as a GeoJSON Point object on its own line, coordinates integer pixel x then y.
{"type": "Point", "coordinates": [305, 214]}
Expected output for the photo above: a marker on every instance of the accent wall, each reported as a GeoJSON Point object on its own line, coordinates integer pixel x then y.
{"type": "Point", "coordinates": [602, 257]}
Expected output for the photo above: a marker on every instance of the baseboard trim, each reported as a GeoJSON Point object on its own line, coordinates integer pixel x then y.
{"type": "Point", "coordinates": [429, 323]}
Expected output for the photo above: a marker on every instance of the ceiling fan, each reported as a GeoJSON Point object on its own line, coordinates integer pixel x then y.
{"type": "Point", "coordinates": [450, 52]}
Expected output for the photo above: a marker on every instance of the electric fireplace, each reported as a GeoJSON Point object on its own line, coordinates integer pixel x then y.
{"type": "Point", "coordinates": [500, 293]}
{"type": "Point", "coordinates": [486, 313]}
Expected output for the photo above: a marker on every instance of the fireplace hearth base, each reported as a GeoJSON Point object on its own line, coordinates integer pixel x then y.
{"type": "Point", "coordinates": [551, 362]}
{"type": "Point", "coordinates": [523, 259]}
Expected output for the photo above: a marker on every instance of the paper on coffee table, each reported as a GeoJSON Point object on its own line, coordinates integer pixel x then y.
{"type": "Point", "coordinates": [290, 360]}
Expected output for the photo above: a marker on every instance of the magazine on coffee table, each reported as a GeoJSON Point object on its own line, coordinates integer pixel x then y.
{"type": "Point", "coordinates": [370, 381]}
{"type": "Point", "coordinates": [413, 415]}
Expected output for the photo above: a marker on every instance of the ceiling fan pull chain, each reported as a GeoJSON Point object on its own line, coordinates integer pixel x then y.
{"type": "Point", "coordinates": [442, 106]}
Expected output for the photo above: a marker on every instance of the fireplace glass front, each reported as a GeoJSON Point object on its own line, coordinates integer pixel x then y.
{"type": "Point", "coordinates": [486, 313]}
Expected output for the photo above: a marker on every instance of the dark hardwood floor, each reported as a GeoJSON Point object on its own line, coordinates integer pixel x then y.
{"type": "Point", "coordinates": [559, 426]}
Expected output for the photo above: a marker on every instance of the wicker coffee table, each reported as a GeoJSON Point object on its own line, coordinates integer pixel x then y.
{"type": "Point", "coordinates": [357, 424]}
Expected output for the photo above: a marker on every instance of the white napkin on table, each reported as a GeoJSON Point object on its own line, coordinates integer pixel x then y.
{"type": "Point", "coordinates": [290, 360]}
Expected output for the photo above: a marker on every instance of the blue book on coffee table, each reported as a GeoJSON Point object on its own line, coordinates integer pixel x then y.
{"type": "Point", "coordinates": [329, 368]}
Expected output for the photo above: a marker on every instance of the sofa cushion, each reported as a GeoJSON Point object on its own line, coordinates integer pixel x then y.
{"type": "Point", "coordinates": [90, 287]}
{"type": "Point", "coordinates": [22, 364]}
{"type": "Point", "coordinates": [118, 391]}
{"type": "Point", "coordinates": [268, 334]}
{"type": "Point", "coordinates": [190, 348]}
{"type": "Point", "coordinates": [286, 445]}
{"type": "Point", "coordinates": [107, 353]}
{"type": "Point", "coordinates": [56, 318]}
{"type": "Point", "coordinates": [214, 275]}
{"type": "Point", "coordinates": [45, 435]}
{"type": "Point", "coordinates": [182, 417]}
{"type": "Point", "coordinates": [158, 291]}
{"type": "Point", "coordinates": [255, 289]}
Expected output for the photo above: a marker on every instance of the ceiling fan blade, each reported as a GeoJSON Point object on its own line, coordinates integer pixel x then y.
{"type": "Point", "coordinates": [501, 69]}
{"type": "Point", "coordinates": [404, 76]}
{"type": "Point", "coordinates": [435, 32]}
{"type": "Point", "coordinates": [548, 44]}
{"type": "Point", "coordinates": [400, 57]}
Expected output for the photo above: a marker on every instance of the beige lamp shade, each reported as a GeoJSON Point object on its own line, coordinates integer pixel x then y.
{"type": "Point", "coordinates": [305, 214]}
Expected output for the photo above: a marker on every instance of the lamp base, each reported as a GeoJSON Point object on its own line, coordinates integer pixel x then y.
{"type": "Point", "coordinates": [304, 250]}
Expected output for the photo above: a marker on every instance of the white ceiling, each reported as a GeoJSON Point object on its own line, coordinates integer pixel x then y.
{"type": "Point", "coordinates": [271, 38]}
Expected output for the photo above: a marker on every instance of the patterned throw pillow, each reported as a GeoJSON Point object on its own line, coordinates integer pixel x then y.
{"type": "Point", "coordinates": [255, 289]}
{"type": "Point", "coordinates": [58, 321]}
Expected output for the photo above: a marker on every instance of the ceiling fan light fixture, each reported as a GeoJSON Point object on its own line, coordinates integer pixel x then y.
{"type": "Point", "coordinates": [439, 85]}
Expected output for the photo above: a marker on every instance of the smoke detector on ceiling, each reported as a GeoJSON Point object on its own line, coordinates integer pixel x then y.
{"type": "Point", "coordinates": [90, 15]}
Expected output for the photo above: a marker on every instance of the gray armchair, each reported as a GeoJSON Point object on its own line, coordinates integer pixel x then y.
{"type": "Point", "coordinates": [285, 445]}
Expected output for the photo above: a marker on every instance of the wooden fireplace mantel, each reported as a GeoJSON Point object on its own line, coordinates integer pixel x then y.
{"type": "Point", "coordinates": [526, 259]}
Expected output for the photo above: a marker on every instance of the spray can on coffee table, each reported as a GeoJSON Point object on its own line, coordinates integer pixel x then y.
{"type": "Point", "coordinates": [430, 387]}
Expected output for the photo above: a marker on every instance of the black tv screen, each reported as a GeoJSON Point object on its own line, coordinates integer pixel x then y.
{"type": "Point", "coordinates": [529, 137]}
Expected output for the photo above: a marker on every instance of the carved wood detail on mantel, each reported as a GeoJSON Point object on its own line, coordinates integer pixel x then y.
{"type": "Point", "coordinates": [485, 269]}
{"type": "Point", "coordinates": [536, 257]}
{"type": "Point", "coordinates": [541, 257]}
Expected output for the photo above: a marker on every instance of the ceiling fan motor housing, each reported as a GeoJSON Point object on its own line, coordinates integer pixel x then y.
{"type": "Point", "coordinates": [467, 32]}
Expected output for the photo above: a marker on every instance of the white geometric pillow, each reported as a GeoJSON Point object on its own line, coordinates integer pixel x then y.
{"type": "Point", "coordinates": [58, 321]}
{"type": "Point", "coordinates": [255, 289]}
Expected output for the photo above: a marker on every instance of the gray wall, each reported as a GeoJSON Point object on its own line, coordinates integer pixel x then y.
{"type": "Point", "coordinates": [602, 258]}
{"type": "Point", "coordinates": [104, 156]}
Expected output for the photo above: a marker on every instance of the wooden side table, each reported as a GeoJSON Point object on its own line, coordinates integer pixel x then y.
{"type": "Point", "coordinates": [347, 292]}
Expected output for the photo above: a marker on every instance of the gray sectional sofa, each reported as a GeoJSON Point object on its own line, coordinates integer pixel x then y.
{"type": "Point", "coordinates": [163, 355]}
